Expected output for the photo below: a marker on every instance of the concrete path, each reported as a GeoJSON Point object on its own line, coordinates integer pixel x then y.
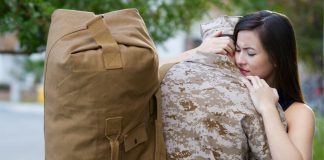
{"type": "Point", "coordinates": [21, 131]}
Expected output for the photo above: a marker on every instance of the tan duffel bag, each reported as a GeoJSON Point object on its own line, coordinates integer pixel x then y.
{"type": "Point", "coordinates": [101, 77]}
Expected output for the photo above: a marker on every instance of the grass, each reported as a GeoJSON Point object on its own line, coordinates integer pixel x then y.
{"type": "Point", "coordinates": [319, 138]}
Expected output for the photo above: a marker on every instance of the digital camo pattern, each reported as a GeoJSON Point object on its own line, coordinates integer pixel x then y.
{"type": "Point", "coordinates": [225, 24]}
{"type": "Point", "coordinates": [207, 112]}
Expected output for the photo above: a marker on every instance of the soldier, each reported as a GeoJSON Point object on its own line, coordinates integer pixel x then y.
{"type": "Point", "coordinates": [206, 109]}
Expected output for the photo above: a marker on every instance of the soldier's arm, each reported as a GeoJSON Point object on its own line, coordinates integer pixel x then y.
{"type": "Point", "coordinates": [179, 58]}
{"type": "Point", "coordinates": [214, 45]}
{"type": "Point", "coordinates": [256, 136]}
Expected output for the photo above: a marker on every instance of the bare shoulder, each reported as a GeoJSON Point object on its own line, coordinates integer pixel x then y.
{"type": "Point", "coordinates": [301, 114]}
{"type": "Point", "coordinates": [300, 109]}
{"type": "Point", "coordinates": [301, 127]}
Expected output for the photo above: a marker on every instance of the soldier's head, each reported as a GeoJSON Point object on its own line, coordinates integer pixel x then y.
{"type": "Point", "coordinates": [266, 47]}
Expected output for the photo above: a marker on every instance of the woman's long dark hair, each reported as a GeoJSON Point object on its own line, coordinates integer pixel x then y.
{"type": "Point", "coordinates": [278, 39]}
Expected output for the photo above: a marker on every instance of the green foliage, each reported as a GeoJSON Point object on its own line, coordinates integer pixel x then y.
{"type": "Point", "coordinates": [319, 138]}
{"type": "Point", "coordinates": [31, 18]}
{"type": "Point", "coordinates": [36, 67]}
{"type": "Point", "coordinates": [4, 87]}
{"type": "Point", "coordinates": [307, 17]}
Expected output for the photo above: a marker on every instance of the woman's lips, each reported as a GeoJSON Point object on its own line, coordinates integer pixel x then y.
{"type": "Point", "coordinates": [243, 71]}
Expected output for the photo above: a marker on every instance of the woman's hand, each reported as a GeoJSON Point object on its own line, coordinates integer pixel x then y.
{"type": "Point", "coordinates": [218, 45]}
{"type": "Point", "coordinates": [213, 45]}
{"type": "Point", "coordinates": [264, 97]}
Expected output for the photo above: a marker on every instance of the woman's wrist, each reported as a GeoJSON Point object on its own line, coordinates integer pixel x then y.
{"type": "Point", "coordinates": [268, 109]}
{"type": "Point", "coordinates": [198, 49]}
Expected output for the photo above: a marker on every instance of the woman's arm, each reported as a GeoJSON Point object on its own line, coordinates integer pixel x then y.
{"type": "Point", "coordinates": [297, 144]}
{"type": "Point", "coordinates": [301, 122]}
{"type": "Point", "coordinates": [213, 45]}
{"type": "Point", "coordinates": [179, 58]}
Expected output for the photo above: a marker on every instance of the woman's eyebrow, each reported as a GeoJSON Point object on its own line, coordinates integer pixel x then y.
{"type": "Point", "coordinates": [249, 48]}
{"type": "Point", "coordinates": [237, 46]}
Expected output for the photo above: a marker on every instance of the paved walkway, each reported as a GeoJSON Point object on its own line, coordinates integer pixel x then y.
{"type": "Point", "coordinates": [21, 131]}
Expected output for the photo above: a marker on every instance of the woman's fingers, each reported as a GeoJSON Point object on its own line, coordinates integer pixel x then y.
{"type": "Point", "coordinates": [247, 84]}
{"type": "Point", "coordinates": [214, 35]}
{"type": "Point", "coordinates": [229, 47]}
{"type": "Point", "coordinates": [217, 34]}
{"type": "Point", "coordinates": [229, 50]}
{"type": "Point", "coordinates": [224, 43]}
{"type": "Point", "coordinates": [223, 51]}
{"type": "Point", "coordinates": [257, 82]}
{"type": "Point", "coordinates": [218, 45]}
{"type": "Point", "coordinates": [229, 44]}
{"type": "Point", "coordinates": [232, 46]}
{"type": "Point", "coordinates": [260, 92]}
{"type": "Point", "coordinates": [264, 82]}
{"type": "Point", "coordinates": [253, 81]}
{"type": "Point", "coordinates": [275, 92]}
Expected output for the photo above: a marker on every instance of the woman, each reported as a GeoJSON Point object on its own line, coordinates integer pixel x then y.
{"type": "Point", "coordinates": [264, 49]}
{"type": "Point", "coordinates": [266, 53]}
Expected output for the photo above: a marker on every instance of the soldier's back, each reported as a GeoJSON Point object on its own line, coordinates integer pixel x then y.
{"type": "Point", "coordinates": [207, 112]}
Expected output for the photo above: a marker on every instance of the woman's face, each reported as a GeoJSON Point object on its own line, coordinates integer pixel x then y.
{"type": "Point", "coordinates": [250, 56]}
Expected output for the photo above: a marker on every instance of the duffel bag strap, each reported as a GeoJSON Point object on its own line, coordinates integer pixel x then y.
{"type": "Point", "coordinates": [113, 131]}
{"type": "Point", "coordinates": [100, 32]}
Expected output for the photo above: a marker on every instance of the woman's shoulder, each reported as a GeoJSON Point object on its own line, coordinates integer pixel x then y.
{"type": "Point", "coordinates": [300, 108]}
{"type": "Point", "coordinates": [301, 113]}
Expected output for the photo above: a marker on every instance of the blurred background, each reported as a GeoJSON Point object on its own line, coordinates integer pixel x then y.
{"type": "Point", "coordinates": [174, 25]}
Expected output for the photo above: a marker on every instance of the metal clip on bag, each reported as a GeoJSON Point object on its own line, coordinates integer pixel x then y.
{"type": "Point", "coordinates": [101, 80]}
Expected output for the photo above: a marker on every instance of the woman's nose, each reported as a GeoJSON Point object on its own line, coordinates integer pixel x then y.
{"type": "Point", "coordinates": [240, 59]}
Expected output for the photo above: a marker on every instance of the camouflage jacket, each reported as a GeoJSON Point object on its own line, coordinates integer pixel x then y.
{"type": "Point", "coordinates": [207, 112]}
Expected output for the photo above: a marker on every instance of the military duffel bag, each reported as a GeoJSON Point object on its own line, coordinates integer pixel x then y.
{"type": "Point", "coordinates": [101, 75]}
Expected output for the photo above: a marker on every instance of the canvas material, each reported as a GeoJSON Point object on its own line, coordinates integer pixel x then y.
{"type": "Point", "coordinates": [101, 78]}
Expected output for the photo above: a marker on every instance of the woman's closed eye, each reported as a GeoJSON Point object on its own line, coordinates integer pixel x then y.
{"type": "Point", "coordinates": [251, 54]}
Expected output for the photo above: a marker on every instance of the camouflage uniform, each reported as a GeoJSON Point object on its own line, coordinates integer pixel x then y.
{"type": "Point", "coordinates": [207, 112]}
{"type": "Point", "coordinates": [225, 24]}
